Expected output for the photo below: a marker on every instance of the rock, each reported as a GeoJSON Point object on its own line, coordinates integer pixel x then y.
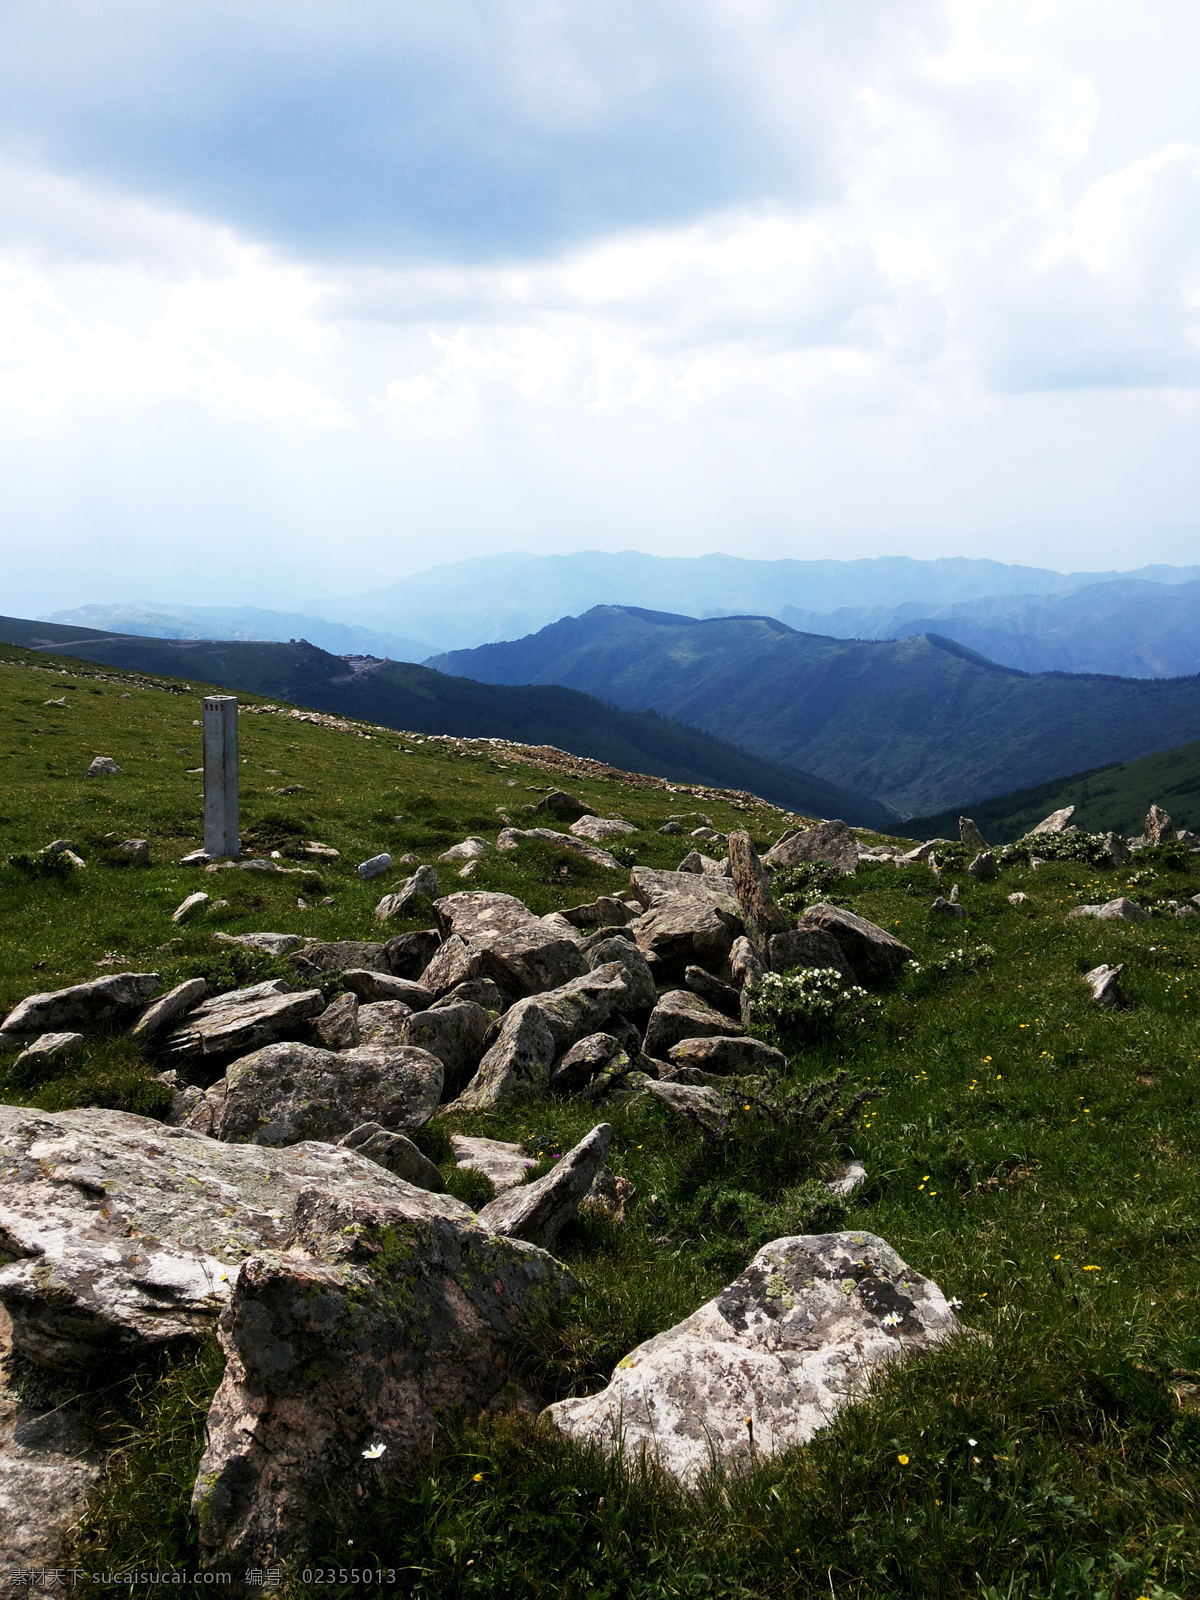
{"type": "Point", "coordinates": [538, 1212]}
{"type": "Point", "coordinates": [457, 1035]}
{"type": "Point", "coordinates": [479, 991]}
{"type": "Point", "coordinates": [374, 867]}
{"type": "Point", "coordinates": [984, 868]}
{"type": "Point", "coordinates": [241, 1020]}
{"type": "Point", "coordinates": [640, 993]}
{"type": "Point", "coordinates": [185, 907]}
{"type": "Point", "coordinates": [325, 852]}
{"type": "Point", "coordinates": [1159, 828]}
{"type": "Point", "coordinates": [102, 767]}
{"type": "Point", "coordinates": [851, 1175]}
{"type": "Point", "coordinates": [562, 804]}
{"type": "Point", "coordinates": [537, 1030]}
{"type": "Point", "coordinates": [396, 1153]}
{"type": "Point", "coordinates": [745, 964]}
{"type": "Point", "coordinates": [604, 912]}
{"type": "Point", "coordinates": [424, 882]}
{"type": "Point", "coordinates": [831, 842]}
{"type": "Point", "coordinates": [103, 1263]}
{"type": "Point", "coordinates": [517, 951]}
{"type": "Point", "coordinates": [1187, 911]}
{"type": "Point", "coordinates": [469, 870]}
{"type": "Point", "coordinates": [1056, 822]}
{"type": "Point", "coordinates": [383, 1024]}
{"type": "Point", "coordinates": [921, 853]}
{"type": "Point", "coordinates": [597, 829]}
{"type": "Point", "coordinates": [588, 1059]}
{"type": "Point", "coordinates": [768, 1362]}
{"type": "Point", "coordinates": [340, 955]}
{"type": "Point", "coordinates": [721, 996]}
{"type": "Point", "coordinates": [506, 1165]}
{"type": "Point", "coordinates": [1102, 981]}
{"type": "Point", "coordinates": [195, 858]}
{"type": "Point", "coordinates": [670, 827]}
{"type": "Point", "coordinates": [160, 1013]}
{"type": "Point", "coordinates": [1018, 899]}
{"type": "Point", "coordinates": [341, 1352]}
{"type": "Point", "coordinates": [726, 1056]}
{"type": "Point", "coordinates": [83, 1005]}
{"type": "Point", "coordinates": [692, 862]}
{"type": "Point", "coordinates": [953, 894]}
{"type": "Point", "coordinates": [1119, 910]}
{"type": "Point", "coordinates": [469, 850]}
{"type": "Point", "coordinates": [287, 1093]}
{"type": "Point", "coordinates": [873, 953]}
{"type": "Point", "coordinates": [337, 1026]}
{"type": "Point", "coordinates": [1116, 849]}
{"type": "Point", "coordinates": [702, 1106]}
{"type": "Point", "coordinates": [680, 1014]}
{"type": "Point", "coordinates": [761, 917]}
{"type": "Point", "coordinates": [808, 947]}
{"type": "Point", "coordinates": [510, 838]}
{"type": "Point", "coordinates": [372, 986]}
{"type": "Point", "coordinates": [948, 908]}
{"type": "Point", "coordinates": [609, 1194]}
{"type": "Point", "coordinates": [138, 851]}
{"type": "Point", "coordinates": [48, 1051]}
{"type": "Point", "coordinates": [690, 919]}
{"type": "Point", "coordinates": [272, 944]}
{"type": "Point", "coordinates": [455, 963]}
{"type": "Point", "coordinates": [970, 835]}
{"type": "Point", "coordinates": [408, 954]}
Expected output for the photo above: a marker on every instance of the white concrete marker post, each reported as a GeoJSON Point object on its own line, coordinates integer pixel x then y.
{"type": "Point", "coordinates": [221, 775]}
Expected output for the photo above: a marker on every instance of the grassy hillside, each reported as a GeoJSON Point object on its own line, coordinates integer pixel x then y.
{"type": "Point", "coordinates": [402, 695]}
{"type": "Point", "coordinates": [1032, 1154]}
{"type": "Point", "coordinates": [919, 723]}
{"type": "Point", "coordinates": [1106, 797]}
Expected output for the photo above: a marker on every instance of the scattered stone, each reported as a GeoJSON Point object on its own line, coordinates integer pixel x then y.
{"type": "Point", "coordinates": [314, 847]}
{"type": "Point", "coordinates": [953, 894]}
{"type": "Point", "coordinates": [598, 1054]}
{"type": "Point", "coordinates": [948, 908]}
{"type": "Point", "coordinates": [374, 866]}
{"type": "Point", "coordinates": [873, 952]}
{"type": "Point", "coordinates": [272, 944]}
{"type": "Point", "coordinates": [851, 1175]}
{"type": "Point", "coordinates": [102, 767]}
{"type": "Point", "coordinates": [518, 952]}
{"type": "Point", "coordinates": [409, 953]}
{"type": "Point", "coordinates": [240, 1021]}
{"type": "Point", "coordinates": [923, 852]}
{"type": "Point", "coordinates": [768, 1362]}
{"type": "Point", "coordinates": [424, 881]}
{"type": "Point", "coordinates": [611, 1195]}
{"type": "Point", "coordinates": [970, 835]}
{"type": "Point", "coordinates": [761, 917]}
{"type": "Point", "coordinates": [1018, 899]}
{"type": "Point", "coordinates": [1056, 822]}
{"type": "Point", "coordinates": [185, 907]}
{"type": "Point", "coordinates": [670, 827]}
{"type": "Point", "coordinates": [721, 996]}
{"type": "Point", "coordinates": [83, 1005]}
{"type": "Point", "coordinates": [696, 1103]}
{"type": "Point", "coordinates": [319, 957]}
{"type": "Point", "coordinates": [371, 986]}
{"type": "Point", "coordinates": [745, 964]}
{"type": "Point", "coordinates": [725, 1056]}
{"type": "Point", "coordinates": [506, 1165]}
{"type": "Point", "coordinates": [510, 838]}
{"type": "Point", "coordinates": [457, 1035]}
{"type": "Point", "coordinates": [564, 805]}
{"type": "Point", "coordinates": [337, 1026]}
{"type": "Point", "coordinates": [396, 1153]}
{"type": "Point", "coordinates": [692, 862]}
{"type": "Point", "coordinates": [138, 851]}
{"type": "Point", "coordinates": [538, 1212]}
{"type": "Point", "coordinates": [1187, 911]}
{"type": "Point", "coordinates": [195, 858]}
{"type": "Point", "coordinates": [47, 1051]}
{"type": "Point", "coordinates": [160, 1013]}
{"type": "Point", "coordinates": [1116, 849]}
{"type": "Point", "coordinates": [808, 947]}
{"type": "Point", "coordinates": [640, 993]}
{"type": "Point", "coordinates": [469, 850]}
{"type": "Point", "coordinates": [984, 867]}
{"type": "Point", "coordinates": [469, 870]}
{"type": "Point", "coordinates": [1159, 828]}
{"type": "Point", "coordinates": [831, 842]}
{"type": "Point", "coordinates": [1119, 910]}
{"type": "Point", "coordinates": [1102, 981]}
{"type": "Point", "coordinates": [383, 1025]}
{"type": "Point", "coordinates": [453, 964]}
{"type": "Point", "coordinates": [680, 1014]}
{"type": "Point", "coordinates": [598, 829]}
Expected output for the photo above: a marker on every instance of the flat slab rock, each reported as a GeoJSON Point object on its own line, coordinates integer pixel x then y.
{"type": "Point", "coordinates": [517, 950]}
{"type": "Point", "coordinates": [504, 1163]}
{"type": "Point", "coordinates": [680, 1014]}
{"type": "Point", "coordinates": [597, 829]}
{"type": "Point", "coordinates": [82, 1005]}
{"type": "Point", "coordinates": [510, 838]}
{"type": "Point", "coordinates": [787, 1345]}
{"type": "Point", "coordinates": [538, 1212]}
{"type": "Point", "coordinates": [339, 955]}
{"type": "Point", "coordinates": [122, 1234]}
{"type": "Point", "coordinates": [1119, 910]}
{"type": "Point", "coordinates": [240, 1021]}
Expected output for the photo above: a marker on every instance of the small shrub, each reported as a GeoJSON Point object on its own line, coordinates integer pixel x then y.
{"type": "Point", "coordinates": [790, 1009]}
{"type": "Point", "coordinates": [797, 888]}
{"type": "Point", "coordinates": [42, 864]}
{"type": "Point", "coordinates": [473, 1188]}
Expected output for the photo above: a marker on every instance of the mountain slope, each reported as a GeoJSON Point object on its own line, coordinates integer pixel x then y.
{"type": "Point", "coordinates": [401, 695]}
{"type": "Point", "coordinates": [920, 723]}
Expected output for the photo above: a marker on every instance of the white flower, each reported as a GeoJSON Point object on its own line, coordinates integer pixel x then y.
{"type": "Point", "coordinates": [972, 1441]}
{"type": "Point", "coordinates": [376, 1450]}
{"type": "Point", "coordinates": [954, 1303]}
{"type": "Point", "coordinates": [892, 1320]}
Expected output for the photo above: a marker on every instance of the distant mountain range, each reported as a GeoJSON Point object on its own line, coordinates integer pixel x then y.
{"type": "Point", "coordinates": [920, 723]}
{"type": "Point", "coordinates": [402, 695]}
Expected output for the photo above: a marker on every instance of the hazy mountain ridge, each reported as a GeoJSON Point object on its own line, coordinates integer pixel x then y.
{"type": "Point", "coordinates": [919, 723]}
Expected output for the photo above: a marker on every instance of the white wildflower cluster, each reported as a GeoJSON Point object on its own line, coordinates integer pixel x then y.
{"type": "Point", "coordinates": [809, 1000]}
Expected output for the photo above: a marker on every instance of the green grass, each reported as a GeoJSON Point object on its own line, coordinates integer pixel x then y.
{"type": "Point", "coordinates": [1036, 1157]}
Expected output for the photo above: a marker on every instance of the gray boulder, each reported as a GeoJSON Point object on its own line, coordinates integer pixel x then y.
{"type": "Point", "coordinates": [830, 842]}
{"type": "Point", "coordinates": [1057, 822]}
{"type": "Point", "coordinates": [102, 767]}
{"type": "Point", "coordinates": [240, 1021]}
{"type": "Point", "coordinates": [873, 953]}
{"type": "Point", "coordinates": [640, 993]}
{"type": "Point", "coordinates": [761, 917]}
{"type": "Point", "coordinates": [337, 1026]}
{"type": "Point", "coordinates": [538, 1212]}
{"type": "Point", "coordinates": [726, 1056]}
{"type": "Point", "coordinates": [746, 966]}
{"type": "Point", "coordinates": [680, 1014]}
{"type": "Point", "coordinates": [600, 1055]}
{"type": "Point", "coordinates": [691, 919]}
{"type": "Point", "coordinates": [511, 838]}
{"type": "Point", "coordinates": [383, 1024]}
{"type": "Point", "coordinates": [47, 1052]}
{"type": "Point", "coordinates": [271, 944]}
{"type": "Point", "coordinates": [424, 882]}
{"type": "Point", "coordinates": [83, 1005]}
{"type": "Point", "coordinates": [921, 853]}
{"type": "Point", "coordinates": [518, 952]}
{"type": "Point", "coordinates": [454, 963]}
{"type": "Point", "coordinates": [948, 908]}
{"type": "Point", "coordinates": [339, 955]}
{"type": "Point", "coordinates": [697, 1104]}
{"type": "Point", "coordinates": [457, 1035]}
{"type": "Point", "coordinates": [396, 1153]}
{"type": "Point", "coordinates": [176, 1003]}
{"type": "Point", "coordinates": [808, 947]}
{"type": "Point", "coordinates": [768, 1362]}
{"type": "Point", "coordinates": [375, 867]}
{"type": "Point", "coordinates": [598, 829]}
{"type": "Point", "coordinates": [970, 835]}
{"type": "Point", "coordinates": [1102, 981]}
{"type": "Point", "coordinates": [1159, 828]}
{"type": "Point", "coordinates": [721, 996]}
{"type": "Point", "coordinates": [984, 867]}
{"type": "Point", "coordinates": [137, 850]}
{"type": "Point", "coordinates": [604, 912]}
{"type": "Point", "coordinates": [479, 991]}
{"type": "Point", "coordinates": [471, 849]}
{"type": "Point", "coordinates": [1115, 849]}
{"type": "Point", "coordinates": [188, 905]}
{"type": "Point", "coordinates": [372, 986]}
{"type": "Point", "coordinates": [505, 1164]}
{"type": "Point", "coordinates": [561, 804]}
{"type": "Point", "coordinates": [1119, 910]}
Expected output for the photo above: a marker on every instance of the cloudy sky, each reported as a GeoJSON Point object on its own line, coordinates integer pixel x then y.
{"type": "Point", "coordinates": [298, 296]}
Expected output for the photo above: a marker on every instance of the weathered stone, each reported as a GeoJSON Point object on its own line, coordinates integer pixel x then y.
{"type": "Point", "coordinates": [1018, 898]}
{"type": "Point", "coordinates": [102, 767]}
{"type": "Point", "coordinates": [851, 1175]}
{"type": "Point", "coordinates": [457, 1035]}
{"type": "Point", "coordinates": [696, 1103]}
{"type": "Point", "coordinates": [767, 1363]}
{"type": "Point", "coordinates": [511, 838]}
{"type": "Point", "coordinates": [185, 1098]}
{"type": "Point", "coordinates": [670, 827]}
{"type": "Point", "coordinates": [271, 944]}
{"type": "Point", "coordinates": [191, 903]}
{"type": "Point", "coordinates": [102, 1261]}
{"type": "Point", "coordinates": [372, 986]}
{"type": "Point", "coordinates": [470, 849]}
{"type": "Point", "coordinates": [324, 852]}
{"type": "Point", "coordinates": [808, 947]}
{"type": "Point", "coordinates": [598, 829]}
{"type": "Point", "coordinates": [374, 867]}
{"type": "Point", "coordinates": [337, 1026]}
{"type": "Point", "coordinates": [604, 912]}
{"type": "Point", "coordinates": [160, 1013]}
{"type": "Point", "coordinates": [948, 908]}
{"type": "Point", "coordinates": [680, 1014]}
{"type": "Point", "coordinates": [408, 954]}
{"type": "Point", "coordinates": [518, 951]}
{"type": "Point", "coordinates": [690, 919]}
{"type": "Point", "coordinates": [1102, 981]}
{"type": "Point", "coordinates": [340, 1353]}
{"type": "Point", "coordinates": [1116, 849]}
{"type": "Point", "coordinates": [745, 964]}
{"type": "Point", "coordinates": [692, 862]}
{"type": "Point", "coordinates": [479, 991]}
{"type": "Point", "coordinates": [1119, 910]}
{"type": "Point", "coordinates": [396, 1153]}
{"type": "Point", "coordinates": [240, 1021]}
{"type": "Point", "coordinates": [872, 951]}
{"type": "Point", "coordinates": [1186, 911]}
{"type": "Point", "coordinates": [340, 955]}
{"type": "Point", "coordinates": [83, 1005]}
{"type": "Point", "coordinates": [726, 1056]}
{"type": "Point", "coordinates": [830, 842]}
{"type": "Point", "coordinates": [383, 1024]}
{"type": "Point", "coordinates": [640, 993]}
{"type": "Point", "coordinates": [505, 1164]}
{"type": "Point", "coordinates": [538, 1212]}
{"type": "Point", "coordinates": [138, 851]}
{"type": "Point", "coordinates": [611, 1195]}
{"type": "Point", "coordinates": [424, 882]}
{"type": "Point", "coordinates": [562, 804]}
{"type": "Point", "coordinates": [1057, 822]}
{"type": "Point", "coordinates": [195, 858]}
{"type": "Point", "coordinates": [48, 1050]}
{"type": "Point", "coordinates": [922, 853]}
{"type": "Point", "coordinates": [585, 1061]}
{"type": "Point", "coordinates": [722, 996]}
{"type": "Point", "coordinates": [984, 867]}
{"type": "Point", "coordinates": [454, 963]}
{"type": "Point", "coordinates": [1159, 828]}
{"type": "Point", "coordinates": [970, 835]}
{"type": "Point", "coordinates": [761, 917]}
{"type": "Point", "coordinates": [287, 1093]}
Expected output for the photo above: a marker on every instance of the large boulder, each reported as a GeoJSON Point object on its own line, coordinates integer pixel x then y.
{"type": "Point", "coordinates": [373, 986]}
{"type": "Point", "coordinates": [690, 919]}
{"type": "Point", "coordinates": [287, 1093]}
{"type": "Point", "coordinates": [1057, 822]}
{"type": "Point", "coordinates": [727, 1055]}
{"type": "Point", "coordinates": [873, 952]}
{"type": "Point", "coordinates": [457, 1035]}
{"type": "Point", "coordinates": [808, 947]}
{"type": "Point", "coordinates": [518, 951]}
{"type": "Point", "coordinates": [397, 1153]}
{"type": "Point", "coordinates": [721, 996]}
{"type": "Point", "coordinates": [337, 1026]}
{"type": "Point", "coordinates": [829, 842]}
{"type": "Point", "coordinates": [122, 1235]}
{"type": "Point", "coordinates": [83, 1005]}
{"type": "Point", "coordinates": [598, 1057]}
{"type": "Point", "coordinates": [761, 917]}
{"type": "Point", "coordinates": [603, 912]}
{"type": "Point", "coordinates": [1118, 910]}
{"type": "Point", "coordinates": [680, 1014]}
{"type": "Point", "coordinates": [561, 804]}
{"type": "Point", "coordinates": [338, 955]}
{"type": "Point", "coordinates": [453, 964]}
{"type": "Point", "coordinates": [768, 1362]}
{"type": "Point", "coordinates": [159, 1014]}
{"type": "Point", "coordinates": [537, 1212]}
{"type": "Point", "coordinates": [598, 829]}
{"type": "Point", "coordinates": [240, 1021]}
{"type": "Point", "coordinates": [1159, 828]}
{"type": "Point", "coordinates": [970, 835]}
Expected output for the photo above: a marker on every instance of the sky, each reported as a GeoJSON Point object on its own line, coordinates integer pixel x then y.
{"type": "Point", "coordinates": [299, 297]}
